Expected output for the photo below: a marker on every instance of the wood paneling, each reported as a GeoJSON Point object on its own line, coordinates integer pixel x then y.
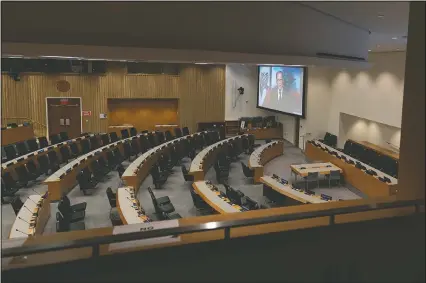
{"type": "Point", "coordinates": [143, 113]}
{"type": "Point", "coordinates": [200, 90]}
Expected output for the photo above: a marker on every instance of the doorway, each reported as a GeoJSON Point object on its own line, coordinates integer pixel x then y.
{"type": "Point", "coordinates": [64, 115]}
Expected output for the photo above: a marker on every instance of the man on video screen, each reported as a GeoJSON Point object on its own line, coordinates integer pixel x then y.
{"type": "Point", "coordinates": [284, 96]}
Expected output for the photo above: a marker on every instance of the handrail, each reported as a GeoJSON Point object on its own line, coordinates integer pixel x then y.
{"type": "Point", "coordinates": [94, 242]}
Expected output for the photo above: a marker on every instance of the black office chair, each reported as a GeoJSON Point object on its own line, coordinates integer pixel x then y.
{"type": "Point", "coordinates": [53, 160]}
{"type": "Point", "coordinates": [185, 131]}
{"type": "Point", "coordinates": [128, 152]}
{"type": "Point", "coordinates": [54, 139]}
{"type": "Point", "coordinates": [75, 207]}
{"type": "Point", "coordinates": [333, 176]}
{"type": "Point", "coordinates": [125, 134]}
{"type": "Point", "coordinates": [85, 181]}
{"type": "Point", "coordinates": [133, 131]}
{"type": "Point", "coordinates": [65, 153]}
{"type": "Point", "coordinates": [75, 151]}
{"type": "Point", "coordinates": [178, 132]}
{"type": "Point", "coordinates": [199, 203]}
{"type": "Point", "coordinates": [186, 176]}
{"type": "Point", "coordinates": [311, 177]}
{"type": "Point", "coordinates": [112, 197]}
{"type": "Point", "coordinates": [249, 173]}
{"type": "Point", "coordinates": [64, 136]}
{"type": "Point", "coordinates": [10, 183]}
{"type": "Point", "coordinates": [98, 173]}
{"type": "Point", "coordinates": [120, 170]}
{"type": "Point", "coordinates": [169, 136]}
{"type": "Point", "coordinates": [162, 205]}
{"type": "Point", "coordinates": [32, 145]}
{"type": "Point", "coordinates": [135, 147]}
{"type": "Point", "coordinates": [94, 143]}
{"type": "Point", "coordinates": [112, 162]}
{"type": "Point", "coordinates": [23, 175]}
{"type": "Point", "coordinates": [42, 141]}
{"type": "Point", "coordinates": [10, 152]}
{"type": "Point", "coordinates": [7, 191]}
{"type": "Point", "coordinates": [117, 155]}
{"type": "Point", "coordinates": [104, 165]}
{"type": "Point", "coordinates": [16, 204]}
{"type": "Point", "coordinates": [234, 195]}
{"type": "Point", "coordinates": [158, 178]}
{"type": "Point", "coordinates": [159, 137]}
{"type": "Point", "coordinates": [63, 224]}
{"type": "Point", "coordinates": [33, 171]}
{"type": "Point", "coordinates": [105, 139]}
{"type": "Point", "coordinates": [250, 204]}
{"type": "Point", "coordinates": [43, 163]}
{"type": "Point", "coordinates": [113, 137]}
{"type": "Point", "coordinates": [85, 146]}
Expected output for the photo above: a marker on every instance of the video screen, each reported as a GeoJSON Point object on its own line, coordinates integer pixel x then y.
{"type": "Point", "coordinates": [281, 89]}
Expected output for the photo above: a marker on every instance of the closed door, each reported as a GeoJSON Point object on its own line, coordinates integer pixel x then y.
{"type": "Point", "coordinates": [64, 115]}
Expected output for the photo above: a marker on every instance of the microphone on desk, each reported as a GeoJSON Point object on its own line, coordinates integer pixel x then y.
{"type": "Point", "coordinates": [35, 214]}
{"type": "Point", "coordinates": [23, 232]}
{"type": "Point", "coordinates": [26, 221]}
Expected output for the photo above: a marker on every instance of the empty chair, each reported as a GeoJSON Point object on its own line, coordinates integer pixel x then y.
{"type": "Point", "coordinates": [16, 204]}
{"type": "Point", "coordinates": [112, 197]}
{"type": "Point", "coordinates": [85, 146]}
{"type": "Point", "coordinates": [153, 140]}
{"type": "Point", "coordinates": [128, 152]}
{"type": "Point", "coordinates": [85, 181]}
{"type": "Point", "coordinates": [118, 157]}
{"type": "Point", "coordinates": [333, 176]}
{"type": "Point", "coordinates": [53, 160]}
{"type": "Point", "coordinates": [112, 162]}
{"type": "Point", "coordinates": [63, 224]}
{"type": "Point", "coordinates": [312, 177]}
{"type": "Point", "coordinates": [10, 182]}
{"type": "Point", "coordinates": [162, 205]}
{"type": "Point", "coordinates": [105, 139]}
{"type": "Point", "coordinates": [104, 165]}
{"type": "Point", "coordinates": [65, 153]}
{"type": "Point", "coordinates": [75, 207]}
{"type": "Point", "coordinates": [98, 173]}
{"type": "Point", "coordinates": [160, 137]}
{"type": "Point", "coordinates": [42, 141]}
{"type": "Point", "coordinates": [10, 152]}
{"type": "Point", "coordinates": [94, 143]}
{"type": "Point", "coordinates": [185, 174]}
{"type": "Point", "coordinates": [54, 139]}
{"type": "Point", "coordinates": [144, 143]}
{"type": "Point", "coordinates": [23, 175]}
{"type": "Point", "coordinates": [185, 131]}
{"type": "Point", "coordinates": [124, 134]}
{"type": "Point", "coordinates": [120, 170]}
{"type": "Point", "coordinates": [133, 131]}
{"type": "Point", "coordinates": [199, 203]}
{"type": "Point", "coordinates": [32, 145]}
{"type": "Point", "coordinates": [250, 204]}
{"type": "Point", "coordinates": [33, 172]}
{"type": "Point", "coordinates": [234, 195]}
{"type": "Point", "coordinates": [7, 191]}
{"type": "Point", "coordinates": [43, 163]}
{"type": "Point", "coordinates": [249, 173]}
{"type": "Point", "coordinates": [135, 147]}
{"type": "Point", "coordinates": [158, 178]}
{"type": "Point", "coordinates": [113, 136]}
{"type": "Point", "coordinates": [75, 151]}
{"type": "Point", "coordinates": [64, 136]}
{"type": "Point", "coordinates": [178, 132]}
{"type": "Point", "coordinates": [169, 136]}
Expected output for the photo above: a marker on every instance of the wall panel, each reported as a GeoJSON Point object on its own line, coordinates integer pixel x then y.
{"type": "Point", "coordinates": [200, 90]}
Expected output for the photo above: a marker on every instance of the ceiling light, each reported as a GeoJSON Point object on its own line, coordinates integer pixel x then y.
{"type": "Point", "coordinates": [380, 16]}
{"type": "Point", "coordinates": [394, 38]}
{"type": "Point", "coordinates": [369, 50]}
{"type": "Point", "coordinates": [202, 63]}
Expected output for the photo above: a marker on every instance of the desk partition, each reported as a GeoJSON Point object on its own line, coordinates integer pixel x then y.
{"type": "Point", "coordinates": [262, 155]}
{"type": "Point", "coordinates": [205, 158]}
{"type": "Point", "coordinates": [370, 185]}
{"type": "Point", "coordinates": [35, 211]}
{"type": "Point", "coordinates": [266, 133]}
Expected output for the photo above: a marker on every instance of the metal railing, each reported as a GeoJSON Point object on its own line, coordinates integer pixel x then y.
{"type": "Point", "coordinates": [40, 129]}
{"type": "Point", "coordinates": [95, 242]}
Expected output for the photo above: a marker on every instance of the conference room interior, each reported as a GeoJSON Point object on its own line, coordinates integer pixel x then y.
{"type": "Point", "coordinates": [90, 141]}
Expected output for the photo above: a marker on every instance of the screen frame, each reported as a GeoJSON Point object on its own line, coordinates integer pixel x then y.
{"type": "Point", "coordinates": [305, 93]}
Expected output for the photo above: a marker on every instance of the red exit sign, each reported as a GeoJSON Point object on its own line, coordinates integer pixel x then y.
{"type": "Point", "coordinates": [86, 113]}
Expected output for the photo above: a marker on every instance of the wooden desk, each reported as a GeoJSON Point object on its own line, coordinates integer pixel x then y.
{"type": "Point", "coordinates": [141, 167]}
{"type": "Point", "coordinates": [265, 133]}
{"type": "Point", "coordinates": [288, 191]}
{"type": "Point", "coordinates": [205, 158]}
{"type": "Point", "coordinates": [262, 155]}
{"type": "Point", "coordinates": [129, 207]}
{"type": "Point", "coordinates": [211, 196]}
{"type": "Point", "coordinates": [368, 184]}
{"type": "Point", "coordinates": [12, 164]}
{"type": "Point", "coordinates": [36, 204]}
{"type": "Point", "coordinates": [379, 149]}
{"type": "Point", "coordinates": [64, 180]}
{"type": "Point", "coordinates": [321, 168]}
{"type": "Point", "coordinates": [18, 134]}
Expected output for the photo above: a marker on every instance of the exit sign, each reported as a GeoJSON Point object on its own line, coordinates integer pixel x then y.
{"type": "Point", "coordinates": [86, 113]}
{"type": "Point", "coordinates": [64, 101]}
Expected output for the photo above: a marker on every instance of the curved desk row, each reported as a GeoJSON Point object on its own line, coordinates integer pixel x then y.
{"type": "Point", "coordinates": [139, 169]}
{"type": "Point", "coordinates": [129, 207]}
{"type": "Point", "coordinates": [31, 218]}
{"type": "Point", "coordinates": [205, 158]}
{"type": "Point", "coordinates": [127, 203]}
{"type": "Point", "coordinates": [12, 164]}
{"type": "Point", "coordinates": [10, 135]}
{"type": "Point", "coordinates": [215, 198]}
{"type": "Point", "coordinates": [262, 155]}
{"type": "Point", "coordinates": [63, 180]}
{"type": "Point", "coordinates": [372, 186]}
{"type": "Point", "coordinates": [265, 132]}
{"type": "Point", "coordinates": [288, 191]}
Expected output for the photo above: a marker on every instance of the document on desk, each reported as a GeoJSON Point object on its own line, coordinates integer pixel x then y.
{"type": "Point", "coordinates": [150, 226]}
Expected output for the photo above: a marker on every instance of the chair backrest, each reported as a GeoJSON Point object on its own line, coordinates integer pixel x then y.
{"type": "Point", "coordinates": [178, 132]}
{"type": "Point", "coordinates": [31, 167]}
{"type": "Point", "coordinates": [94, 144]}
{"type": "Point", "coordinates": [312, 176]}
{"type": "Point", "coordinates": [8, 180]}
{"type": "Point", "coordinates": [53, 158]}
{"type": "Point", "coordinates": [169, 136]}
{"type": "Point", "coordinates": [120, 170]}
{"type": "Point", "coordinates": [16, 204]}
{"type": "Point", "coordinates": [43, 142]}
{"type": "Point", "coordinates": [74, 148]}
{"type": "Point", "coordinates": [64, 136]}
{"type": "Point", "coordinates": [152, 140]}
{"type": "Point", "coordinates": [32, 144]}
{"type": "Point", "coordinates": [10, 151]}
{"type": "Point", "coordinates": [154, 200]}
{"type": "Point", "coordinates": [105, 139]}
{"type": "Point", "coordinates": [43, 161]}
{"type": "Point", "coordinates": [185, 131]}
{"type": "Point", "coordinates": [54, 139]}
{"type": "Point", "coordinates": [135, 146]}
{"type": "Point", "coordinates": [22, 148]}
{"type": "Point", "coordinates": [133, 131]}
{"type": "Point", "coordinates": [66, 201]}
{"type": "Point", "coordinates": [184, 170]}
{"type": "Point", "coordinates": [111, 197]}
{"type": "Point", "coordinates": [160, 137]}
{"type": "Point", "coordinates": [335, 173]}
{"type": "Point", "coordinates": [85, 146]}
{"type": "Point", "coordinates": [65, 153]}
{"type": "Point", "coordinates": [124, 133]}
{"type": "Point", "coordinates": [113, 136]}
{"type": "Point", "coordinates": [250, 204]}
{"type": "Point", "coordinates": [22, 172]}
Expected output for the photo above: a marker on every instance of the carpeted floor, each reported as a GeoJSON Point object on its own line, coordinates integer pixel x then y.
{"type": "Point", "coordinates": [98, 208]}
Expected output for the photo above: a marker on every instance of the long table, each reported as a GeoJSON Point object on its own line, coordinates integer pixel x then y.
{"type": "Point", "coordinates": [212, 196]}
{"type": "Point", "coordinates": [265, 133]}
{"type": "Point", "coordinates": [13, 135]}
{"type": "Point", "coordinates": [64, 180]}
{"type": "Point", "coordinates": [205, 158]}
{"type": "Point", "coordinates": [368, 184]}
{"type": "Point", "coordinates": [288, 191]}
{"type": "Point", "coordinates": [35, 204]}
{"type": "Point", "coordinates": [322, 168]}
{"type": "Point", "coordinates": [12, 164]}
{"type": "Point", "coordinates": [262, 155]}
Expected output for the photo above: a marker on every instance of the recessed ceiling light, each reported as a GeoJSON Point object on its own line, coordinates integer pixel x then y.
{"type": "Point", "coordinates": [394, 37]}
{"type": "Point", "coordinates": [381, 16]}
{"type": "Point", "coordinates": [369, 50]}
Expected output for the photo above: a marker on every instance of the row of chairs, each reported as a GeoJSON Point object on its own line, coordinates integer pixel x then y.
{"type": "Point", "coordinates": [238, 197]}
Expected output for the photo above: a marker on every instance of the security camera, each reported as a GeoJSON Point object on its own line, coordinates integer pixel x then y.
{"type": "Point", "coordinates": [241, 90]}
